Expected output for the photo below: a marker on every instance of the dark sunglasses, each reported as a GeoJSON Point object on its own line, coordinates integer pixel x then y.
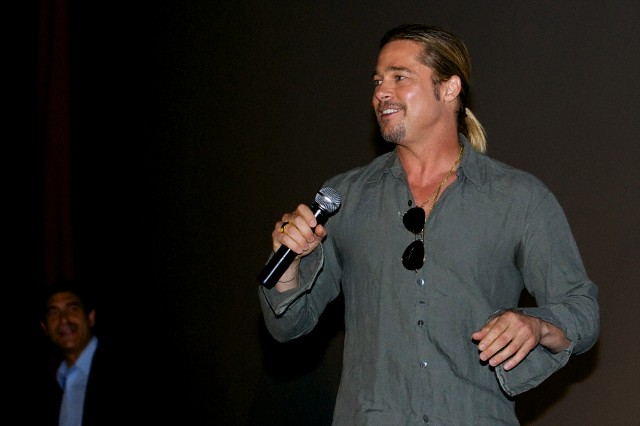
{"type": "Point", "coordinates": [413, 256]}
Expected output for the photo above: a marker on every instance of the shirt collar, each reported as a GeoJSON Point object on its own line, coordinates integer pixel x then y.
{"type": "Point", "coordinates": [82, 364]}
{"type": "Point", "coordinates": [470, 166]}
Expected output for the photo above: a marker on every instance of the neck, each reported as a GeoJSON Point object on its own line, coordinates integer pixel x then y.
{"type": "Point", "coordinates": [71, 359]}
{"type": "Point", "coordinates": [429, 169]}
{"type": "Point", "coordinates": [423, 161]}
{"type": "Point", "coordinates": [71, 356]}
{"type": "Point", "coordinates": [429, 147]}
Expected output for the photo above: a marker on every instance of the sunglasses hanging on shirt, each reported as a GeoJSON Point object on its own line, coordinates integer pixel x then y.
{"type": "Point", "coordinates": [413, 256]}
{"type": "Point", "coordinates": [414, 220]}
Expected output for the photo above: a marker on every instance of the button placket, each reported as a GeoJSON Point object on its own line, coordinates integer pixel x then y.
{"type": "Point", "coordinates": [420, 322]}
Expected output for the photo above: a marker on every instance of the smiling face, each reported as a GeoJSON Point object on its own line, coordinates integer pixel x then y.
{"type": "Point", "coordinates": [407, 103]}
{"type": "Point", "coordinates": [67, 323]}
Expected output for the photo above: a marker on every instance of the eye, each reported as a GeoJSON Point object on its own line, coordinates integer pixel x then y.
{"type": "Point", "coordinates": [74, 309]}
{"type": "Point", "coordinates": [53, 313]}
{"type": "Point", "coordinates": [377, 82]}
{"type": "Point", "coordinates": [400, 77]}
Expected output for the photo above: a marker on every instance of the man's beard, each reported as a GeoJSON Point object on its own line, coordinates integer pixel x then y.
{"type": "Point", "coordinates": [395, 134]}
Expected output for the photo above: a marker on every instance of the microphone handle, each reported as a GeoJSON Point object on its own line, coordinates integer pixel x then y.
{"type": "Point", "coordinates": [283, 258]}
{"type": "Point", "coordinates": [276, 266]}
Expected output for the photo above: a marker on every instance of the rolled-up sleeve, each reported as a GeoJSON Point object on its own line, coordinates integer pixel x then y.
{"type": "Point", "coordinates": [293, 313]}
{"type": "Point", "coordinates": [554, 274]}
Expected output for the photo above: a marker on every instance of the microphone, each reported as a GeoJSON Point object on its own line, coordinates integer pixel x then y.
{"type": "Point", "coordinates": [327, 202]}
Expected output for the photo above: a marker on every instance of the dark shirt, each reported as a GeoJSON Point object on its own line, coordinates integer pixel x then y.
{"type": "Point", "coordinates": [408, 352]}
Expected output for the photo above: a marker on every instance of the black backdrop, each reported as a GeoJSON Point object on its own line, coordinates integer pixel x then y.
{"type": "Point", "coordinates": [195, 124]}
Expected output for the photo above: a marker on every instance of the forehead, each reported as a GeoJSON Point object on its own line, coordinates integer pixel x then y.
{"type": "Point", "coordinates": [64, 298]}
{"type": "Point", "coordinates": [400, 54]}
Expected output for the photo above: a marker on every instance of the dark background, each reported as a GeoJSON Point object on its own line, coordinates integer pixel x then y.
{"type": "Point", "coordinates": [193, 125]}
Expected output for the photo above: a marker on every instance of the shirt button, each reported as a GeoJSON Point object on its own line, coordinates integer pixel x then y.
{"type": "Point", "coordinates": [423, 364]}
{"type": "Point", "coordinates": [420, 281]}
{"type": "Point", "coordinates": [425, 418]}
{"type": "Point", "coordinates": [420, 323]}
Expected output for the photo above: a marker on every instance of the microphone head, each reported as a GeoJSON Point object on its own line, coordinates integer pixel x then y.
{"type": "Point", "coordinates": [328, 199]}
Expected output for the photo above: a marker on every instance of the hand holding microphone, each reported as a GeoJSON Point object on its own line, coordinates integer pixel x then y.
{"type": "Point", "coordinates": [296, 232]}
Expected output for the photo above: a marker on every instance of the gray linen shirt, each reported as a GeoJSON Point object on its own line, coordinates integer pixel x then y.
{"type": "Point", "coordinates": [408, 353]}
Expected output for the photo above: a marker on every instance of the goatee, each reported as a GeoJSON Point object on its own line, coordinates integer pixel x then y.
{"type": "Point", "coordinates": [393, 135]}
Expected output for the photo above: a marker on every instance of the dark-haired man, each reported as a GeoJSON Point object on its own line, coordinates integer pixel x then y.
{"type": "Point", "coordinates": [91, 384]}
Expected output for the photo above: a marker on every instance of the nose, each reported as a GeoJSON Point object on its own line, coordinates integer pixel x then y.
{"type": "Point", "coordinates": [383, 91]}
{"type": "Point", "coordinates": [382, 95]}
{"type": "Point", "coordinates": [63, 316]}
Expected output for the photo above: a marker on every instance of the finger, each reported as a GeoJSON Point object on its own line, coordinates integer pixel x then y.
{"type": "Point", "coordinates": [507, 320]}
{"type": "Point", "coordinates": [280, 228]}
{"type": "Point", "coordinates": [307, 214]}
{"type": "Point", "coordinates": [292, 236]}
{"type": "Point", "coordinates": [520, 355]}
{"type": "Point", "coordinates": [513, 353]}
{"type": "Point", "coordinates": [295, 230]}
{"type": "Point", "coordinates": [320, 232]}
{"type": "Point", "coordinates": [480, 334]}
{"type": "Point", "coordinates": [491, 332]}
{"type": "Point", "coordinates": [500, 351]}
{"type": "Point", "coordinates": [497, 346]}
{"type": "Point", "coordinates": [304, 228]}
{"type": "Point", "coordinates": [513, 344]}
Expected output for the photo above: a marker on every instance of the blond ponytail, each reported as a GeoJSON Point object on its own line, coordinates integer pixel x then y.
{"type": "Point", "coordinates": [475, 132]}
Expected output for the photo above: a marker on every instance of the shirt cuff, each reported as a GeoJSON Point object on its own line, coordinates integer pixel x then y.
{"type": "Point", "coordinates": [308, 270]}
{"type": "Point", "coordinates": [539, 364]}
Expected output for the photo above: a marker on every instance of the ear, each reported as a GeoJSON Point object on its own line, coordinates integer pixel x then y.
{"type": "Point", "coordinates": [92, 318]}
{"type": "Point", "coordinates": [452, 88]}
{"type": "Point", "coordinates": [45, 329]}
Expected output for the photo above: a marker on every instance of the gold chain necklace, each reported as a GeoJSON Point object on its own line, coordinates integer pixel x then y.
{"type": "Point", "coordinates": [436, 193]}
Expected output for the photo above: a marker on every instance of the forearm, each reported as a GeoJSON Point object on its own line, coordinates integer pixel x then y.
{"type": "Point", "coordinates": [289, 279]}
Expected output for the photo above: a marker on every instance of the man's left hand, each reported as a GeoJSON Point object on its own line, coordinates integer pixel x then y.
{"type": "Point", "coordinates": [512, 335]}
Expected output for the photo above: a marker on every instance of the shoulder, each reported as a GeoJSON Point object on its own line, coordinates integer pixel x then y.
{"type": "Point", "coordinates": [110, 361]}
{"type": "Point", "coordinates": [500, 187]}
{"type": "Point", "coordinates": [368, 174]}
{"type": "Point", "coordinates": [495, 176]}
